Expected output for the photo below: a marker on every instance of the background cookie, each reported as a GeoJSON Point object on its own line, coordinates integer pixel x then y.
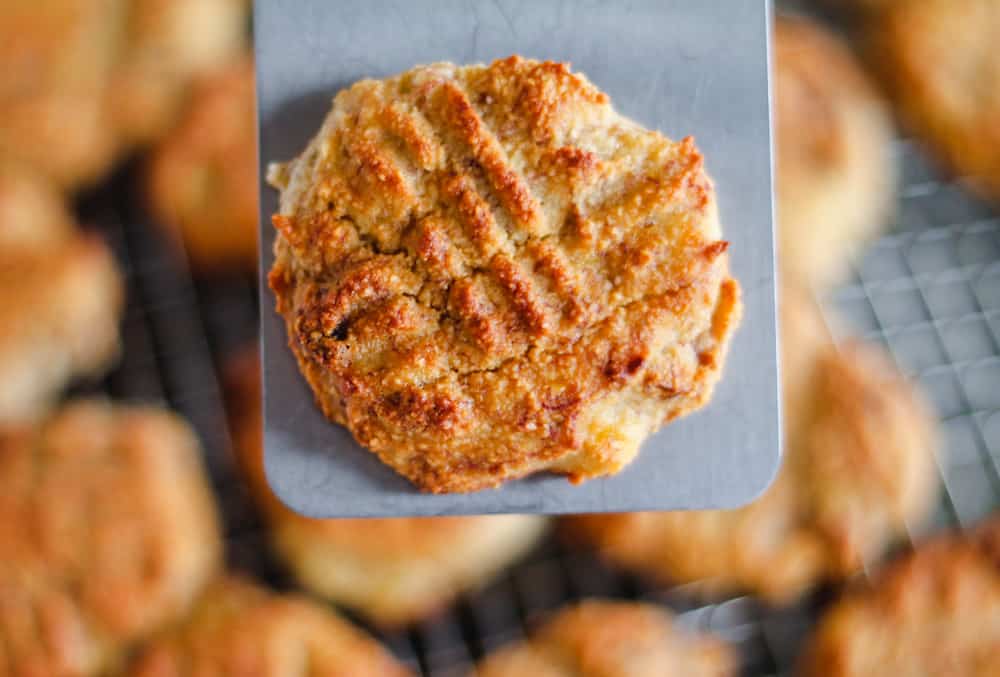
{"type": "Point", "coordinates": [57, 56]}
{"type": "Point", "coordinates": [203, 177]}
{"type": "Point", "coordinates": [60, 298]}
{"type": "Point", "coordinates": [941, 63]}
{"type": "Point", "coordinates": [238, 628]}
{"type": "Point", "coordinates": [394, 571]}
{"type": "Point", "coordinates": [835, 179]}
{"type": "Point", "coordinates": [107, 532]}
{"type": "Point", "coordinates": [932, 612]}
{"type": "Point", "coordinates": [858, 467]}
{"type": "Point", "coordinates": [85, 81]}
{"type": "Point", "coordinates": [167, 45]}
{"type": "Point", "coordinates": [603, 638]}
{"type": "Point", "coordinates": [481, 267]}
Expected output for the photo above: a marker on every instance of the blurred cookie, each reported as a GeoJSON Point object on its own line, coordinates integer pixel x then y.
{"type": "Point", "coordinates": [56, 56]}
{"type": "Point", "coordinates": [941, 62]}
{"type": "Point", "coordinates": [167, 45]}
{"type": "Point", "coordinates": [610, 639]}
{"type": "Point", "coordinates": [33, 213]}
{"type": "Point", "coordinates": [835, 179]}
{"type": "Point", "coordinates": [483, 268]}
{"type": "Point", "coordinates": [203, 178]}
{"type": "Point", "coordinates": [84, 81]}
{"type": "Point", "coordinates": [240, 629]}
{"type": "Point", "coordinates": [60, 298]}
{"type": "Point", "coordinates": [108, 531]}
{"type": "Point", "coordinates": [934, 612]}
{"type": "Point", "coordinates": [394, 571]}
{"type": "Point", "coordinates": [858, 467]}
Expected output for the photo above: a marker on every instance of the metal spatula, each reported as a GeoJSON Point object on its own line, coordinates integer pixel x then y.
{"type": "Point", "coordinates": [685, 67]}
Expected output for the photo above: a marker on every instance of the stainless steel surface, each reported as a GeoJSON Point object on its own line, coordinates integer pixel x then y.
{"type": "Point", "coordinates": [682, 66]}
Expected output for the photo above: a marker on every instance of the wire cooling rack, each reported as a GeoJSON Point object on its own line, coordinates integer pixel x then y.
{"type": "Point", "coordinates": [929, 291]}
{"type": "Point", "coordinates": [178, 334]}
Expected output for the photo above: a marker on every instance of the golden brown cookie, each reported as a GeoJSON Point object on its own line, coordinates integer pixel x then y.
{"type": "Point", "coordinates": [56, 57]}
{"type": "Point", "coordinates": [483, 268]}
{"type": "Point", "coordinates": [835, 178]}
{"type": "Point", "coordinates": [60, 298]}
{"type": "Point", "coordinates": [611, 639]}
{"type": "Point", "coordinates": [84, 81]}
{"type": "Point", "coordinates": [934, 612]}
{"type": "Point", "coordinates": [33, 213]}
{"type": "Point", "coordinates": [394, 571]}
{"type": "Point", "coordinates": [107, 533]}
{"type": "Point", "coordinates": [167, 44]}
{"type": "Point", "coordinates": [858, 466]}
{"type": "Point", "coordinates": [941, 63]}
{"type": "Point", "coordinates": [240, 629]}
{"type": "Point", "coordinates": [203, 178]}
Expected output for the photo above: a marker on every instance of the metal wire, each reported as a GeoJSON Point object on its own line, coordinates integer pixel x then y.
{"type": "Point", "coordinates": [930, 292]}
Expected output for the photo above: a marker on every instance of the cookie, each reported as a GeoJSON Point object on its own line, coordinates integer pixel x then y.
{"type": "Point", "coordinates": [858, 467]}
{"type": "Point", "coordinates": [392, 571]}
{"type": "Point", "coordinates": [612, 639]}
{"type": "Point", "coordinates": [108, 532]}
{"type": "Point", "coordinates": [61, 296]}
{"type": "Point", "coordinates": [239, 628]}
{"type": "Point", "coordinates": [57, 56]}
{"type": "Point", "coordinates": [934, 611]}
{"type": "Point", "coordinates": [482, 268]}
{"type": "Point", "coordinates": [835, 179]}
{"type": "Point", "coordinates": [167, 45]}
{"type": "Point", "coordinates": [86, 81]}
{"type": "Point", "coordinates": [941, 64]}
{"type": "Point", "coordinates": [202, 180]}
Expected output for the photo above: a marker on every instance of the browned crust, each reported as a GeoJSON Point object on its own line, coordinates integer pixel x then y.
{"type": "Point", "coordinates": [413, 537]}
{"type": "Point", "coordinates": [939, 59]}
{"type": "Point", "coordinates": [202, 181]}
{"type": "Point", "coordinates": [108, 532]}
{"type": "Point", "coordinates": [239, 628]}
{"type": "Point", "coordinates": [611, 639]}
{"type": "Point", "coordinates": [931, 612]}
{"type": "Point", "coordinates": [858, 468]}
{"type": "Point", "coordinates": [481, 268]}
{"type": "Point", "coordinates": [323, 554]}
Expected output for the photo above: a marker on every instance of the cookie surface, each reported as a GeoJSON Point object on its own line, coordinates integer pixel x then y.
{"type": "Point", "coordinates": [934, 611]}
{"type": "Point", "coordinates": [61, 295]}
{"type": "Point", "coordinates": [481, 268]}
{"type": "Point", "coordinates": [611, 639]}
{"type": "Point", "coordinates": [85, 81]}
{"type": "Point", "coordinates": [57, 56]}
{"type": "Point", "coordinates": [166, 45]}
{"type": "Point", "coordinates": [858, 466]}
{"type": "Point", "coordinates": [203, 179]}
{"type": "Point", "coordinates": [941, 63]}
{"type": "Point", "coordinates": [393, 571]}
{"type": "Point", "coordinates": [108, 531]}
{"type": "Point", "coordinates": [835, 178]}
{"type": "Point", "coordinates": [238, 628]}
